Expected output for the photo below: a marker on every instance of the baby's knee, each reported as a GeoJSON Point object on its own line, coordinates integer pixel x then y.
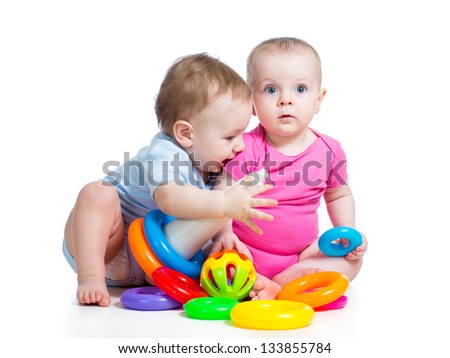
{"type": "Point", "coordinates": [354, 268]}
{"type": "Point", "coordinates": [97, 194]}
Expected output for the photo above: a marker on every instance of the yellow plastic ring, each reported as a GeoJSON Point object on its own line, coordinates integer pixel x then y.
{"type": "Point", "coordinates": [271, 314]}
{"type": "Point", "coordinates": [316, 289]}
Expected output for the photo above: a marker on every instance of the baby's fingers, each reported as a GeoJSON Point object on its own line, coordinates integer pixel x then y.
{"type": "Point", "coordinates": [258, 189]}
{"type": "Point", "coordinates": [251, 224]}
{"type": "Point", "coordinates": [217, 246]}
{"type": "Point", "coordinates": [256, 214]}
{"type": "Point", "coordinates": [355, 254]}
{"type": "Point", "coordinates": [258, 202]}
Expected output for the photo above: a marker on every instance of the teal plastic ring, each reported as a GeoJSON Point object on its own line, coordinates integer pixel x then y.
{"type": "Point", "coordinates": [331, 248]}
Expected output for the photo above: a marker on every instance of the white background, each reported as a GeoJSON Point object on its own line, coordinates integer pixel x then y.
{"type": "Point", "coordinates": [77, 86]}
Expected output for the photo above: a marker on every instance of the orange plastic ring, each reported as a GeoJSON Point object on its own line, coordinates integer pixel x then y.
{"type": "Point", "coordinates": [316, 289]}
{"type": "Point", "coordinates": [140, 248]}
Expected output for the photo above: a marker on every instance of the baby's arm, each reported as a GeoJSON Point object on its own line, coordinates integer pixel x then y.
{"type": "Point", "coordinates": [341, 209]}
{"type": "Point", "coordinates": [226, 239]}
{"type": "Point", "coordinates": [189, 202]}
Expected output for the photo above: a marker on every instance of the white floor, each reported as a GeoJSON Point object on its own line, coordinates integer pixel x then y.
{"type": "Point", "coordinates": [392, 307]}
{"type": "Point", "coordinates": [117, 321]}
{"type": "Point", "coordinates": [340, 328]}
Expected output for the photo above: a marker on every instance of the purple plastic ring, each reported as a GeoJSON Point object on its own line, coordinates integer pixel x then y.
{"type": "Point", "coordinates": [148, 298]}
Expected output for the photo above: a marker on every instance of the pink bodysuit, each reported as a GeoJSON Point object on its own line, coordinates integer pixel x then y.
{"type": "Point", "coordinates": [299, 182]}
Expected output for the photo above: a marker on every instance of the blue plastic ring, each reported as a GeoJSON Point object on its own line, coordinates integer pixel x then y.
{"type": "Point", "coordinates": [148, 298]}
{"type": "Point", "coordinates": [330, 248]}
{"type": "Point", "coordinates": [154, 221]}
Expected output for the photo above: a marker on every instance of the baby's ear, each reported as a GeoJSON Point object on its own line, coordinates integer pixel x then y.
{"type": "Point", "coordinates": [183, 133]}
{"type": "Point", "coordinates": [320, 98]}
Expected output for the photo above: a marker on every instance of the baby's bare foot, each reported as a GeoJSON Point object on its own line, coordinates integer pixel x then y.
{"type": "Point", "coordinates": [92, 290]}
{"type": "Point", "coordinates": [264, 289]}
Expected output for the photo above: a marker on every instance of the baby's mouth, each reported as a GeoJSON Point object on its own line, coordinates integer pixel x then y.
{"type": "Point", "coordinates": [285, 118]}
{"type": "Point", "coordinates": [214, 166]}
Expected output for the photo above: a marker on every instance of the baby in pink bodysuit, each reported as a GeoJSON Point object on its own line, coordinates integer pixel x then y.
{"type": "Point", "coordinates": [304, 165]}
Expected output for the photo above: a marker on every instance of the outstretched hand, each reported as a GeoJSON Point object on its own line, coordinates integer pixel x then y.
{"type": "Point", "coordinates": [240, 204]}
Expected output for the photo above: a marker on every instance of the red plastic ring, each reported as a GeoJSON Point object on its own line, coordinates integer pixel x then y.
{"type": "Point", "coordinates": [177, 285]}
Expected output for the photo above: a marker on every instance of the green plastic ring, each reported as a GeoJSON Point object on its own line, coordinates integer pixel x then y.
{"type": "Point", "coordinates": [210, 307]}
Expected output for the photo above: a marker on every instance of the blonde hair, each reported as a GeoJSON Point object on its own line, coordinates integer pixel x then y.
{"type": "Point", "coordinates": [279, 45]}
{"type": "Point", "coordinates": [191, 84]}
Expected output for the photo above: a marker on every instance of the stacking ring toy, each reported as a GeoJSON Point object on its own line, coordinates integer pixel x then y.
{"type": "Point", "coordinates": [153, 223]}
{"type": "Point", "coordinates": [148, 299]}
{"type": "Point", "coordinates": [141, 249]}
{"type": "Point", "coordinates": [210, 307]}
{"type": "Point", "coordinates": [334, 305]}
{"type": "Point", "coordinates": [271, 314]}
{"type": "Point", "coordinates": [316, 289]}
{"type": "Point", "coordinates": [218, 280]}
{"type": "Point", "coordinates": [331, 248]}
{"type": "Point", "coordinates": [177, 285]}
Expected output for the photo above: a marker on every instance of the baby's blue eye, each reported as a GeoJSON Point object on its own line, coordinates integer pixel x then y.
{"type": "Point", "coordinates": [270, 90]}
{"type": "Point", "coordinates": [300, 89]}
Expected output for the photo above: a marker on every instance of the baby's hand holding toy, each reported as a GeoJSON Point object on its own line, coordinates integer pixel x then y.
{"type": "Point", "coordinates": [229, 241]}
{"type": "Point", "coordinates": [343, 241]}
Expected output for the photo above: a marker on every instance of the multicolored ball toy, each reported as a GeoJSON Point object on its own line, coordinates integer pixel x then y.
{"type": "Point", "coordinates": [228, 274]}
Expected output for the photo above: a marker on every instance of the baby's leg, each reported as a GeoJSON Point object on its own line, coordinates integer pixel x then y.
{"type": "Point", "coordinates": [293, 272]}
{"type": "Point", "coordinates": [94, 235]}
{"type": "Point", "coordinates": [313, 257]}
{"type": "Point", "coordinates": [312, 260]}
{"type": "Point", "coordinates": [265, 289]}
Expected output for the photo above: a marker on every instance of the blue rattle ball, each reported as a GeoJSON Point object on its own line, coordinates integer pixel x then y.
{"type": "Point", "coordinates": [328, 245]}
